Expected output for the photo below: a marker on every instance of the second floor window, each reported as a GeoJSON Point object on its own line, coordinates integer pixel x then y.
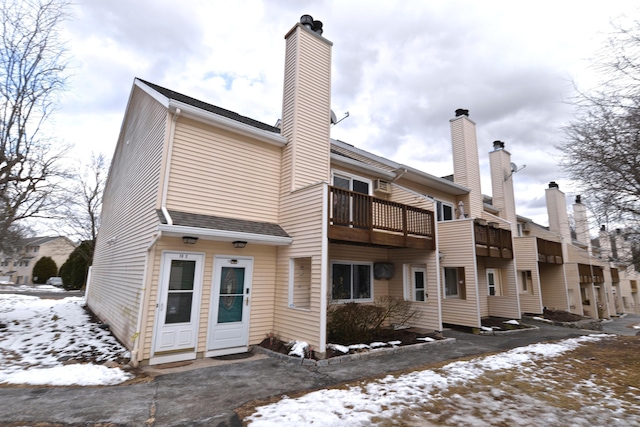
{"type": "Point", "coordinates": [355, 184]}
{"type": "Point", "coordinates": [445, 211]}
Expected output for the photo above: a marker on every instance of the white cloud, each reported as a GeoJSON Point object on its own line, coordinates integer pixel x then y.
{"type": "Point", "coordinates": [399, 68]}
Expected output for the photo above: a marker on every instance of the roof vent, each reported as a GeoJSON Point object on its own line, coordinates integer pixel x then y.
{"type": "Point", "coordinates": [315, 26]}
{"type": "Point", "coordinates": [462, 112]}
{"type": "Point", "coordinates": [553, 184]}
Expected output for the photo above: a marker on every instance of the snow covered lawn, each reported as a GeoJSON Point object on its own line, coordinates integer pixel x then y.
{"type": "Point", "coordinates": [44, 341]}
{"type": "Point", "coordinates": [540, 384]}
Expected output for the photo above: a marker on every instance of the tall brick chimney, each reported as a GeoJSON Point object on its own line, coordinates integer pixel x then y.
{"type": "Point", "coordinates": [306, 105]}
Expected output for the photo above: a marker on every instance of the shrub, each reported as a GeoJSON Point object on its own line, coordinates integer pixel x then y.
{"type": "Point", "coordinates": [43, 269]}
{"type": "Point", "coordinates": [355, 323]}
{"type": "Point", "coordinates": [74, 270]}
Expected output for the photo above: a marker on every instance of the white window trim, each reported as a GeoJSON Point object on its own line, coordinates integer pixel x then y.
{"type": "Point", "coordinates": [444, 284]}
{"type": "Point", "coordinates": [352, 263]}
{"type": "Point", "coordinates": [291, 299]}
{"type": "Point", "coordinates": [409, 286]}
{"type": "Point", "coordinates": [497, 286]}
{"type": "Point", "coordinates": [351, 177]}
{"type": "Point", "coordinates": [440, 213]}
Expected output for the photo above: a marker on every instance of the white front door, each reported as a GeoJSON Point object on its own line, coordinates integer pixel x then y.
{"type": "Point", "coordinates": [178, 306]}
{"type": "Point", "coordinates": [230, 304]}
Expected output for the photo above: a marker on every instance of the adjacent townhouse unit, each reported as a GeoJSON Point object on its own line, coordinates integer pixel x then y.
{"type": "Point", "coordinates": [18, 266]}
{"type": "Point", "coordinates": [218, 229]}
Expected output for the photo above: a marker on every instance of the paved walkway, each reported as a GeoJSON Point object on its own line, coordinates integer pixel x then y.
{"type": "Point", "coordinates": [207, 396]}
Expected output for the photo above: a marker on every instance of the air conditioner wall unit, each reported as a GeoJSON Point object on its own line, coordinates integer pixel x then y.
{"type": "Point", "coordinates": [382, 186]}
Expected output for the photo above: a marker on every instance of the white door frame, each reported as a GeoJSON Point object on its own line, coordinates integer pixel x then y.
{"type": "Point", "coordinates": [213, 348]}
{"type": "Point", "coordinates": [189, 348]}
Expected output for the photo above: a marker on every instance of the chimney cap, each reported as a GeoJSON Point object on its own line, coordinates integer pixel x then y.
{"type": "Point", "coordinates": [307, 20]}
{"type": "Point", "coordinates": [498, 145]}
{"type": "Point", "coordinates": [578, 199]}
{"type": "Point", "coordinates": [553, 184]}
{"type": "Point", "coordinates": [462, 112]}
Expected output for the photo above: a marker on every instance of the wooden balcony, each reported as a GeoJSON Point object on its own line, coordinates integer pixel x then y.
{"type": "Point", "coordinates": [590, 273]}
{"type": "Point", "coordinates": [615, 275]}
{"type": "Point", "coordinates": [493, 242]}
{"type": "Point", "coordinates": [362, 219]}
{"type": "Point", "coordinates": [549, 252]}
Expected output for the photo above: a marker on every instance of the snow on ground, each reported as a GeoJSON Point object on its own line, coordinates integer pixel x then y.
{"type": "Point", "coordinates": [44, 341]}
{"type": "Point", "coordinates": [404, 400]}
{"type": "Point", "coordinates": [30, 288]}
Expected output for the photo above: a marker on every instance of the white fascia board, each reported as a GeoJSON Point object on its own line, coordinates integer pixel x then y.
{"type": "Point", "coordinates": [227, 123]}
{"type": "Point", "coordinates": [223, 235]}
{"type": "Point", "coordinates": [355, 164]}
{"type": "Point", "coordinates": [412, 174]}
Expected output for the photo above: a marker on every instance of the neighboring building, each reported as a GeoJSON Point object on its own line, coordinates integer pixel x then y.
{"type": "Point", "coordinates": [217, 229]}
{"type": "Point", "coordinates": [19, 265]}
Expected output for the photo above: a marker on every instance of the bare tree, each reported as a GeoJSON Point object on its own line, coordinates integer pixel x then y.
{"type": "Point", "coordinates": [32, 75]}
{"type": "Point", "coordinates": [602, 146]}
{"type": "Point", "coordinates": [81, 210]}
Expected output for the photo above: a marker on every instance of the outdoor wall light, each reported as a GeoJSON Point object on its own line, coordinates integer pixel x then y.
{"type": "Point", "coordinates": [238, 244]}
{"type": "Point", "coordinates": [189, 240]}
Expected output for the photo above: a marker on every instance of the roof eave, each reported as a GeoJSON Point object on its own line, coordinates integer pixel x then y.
{"type": "Point", "coordinates": [223, 235]}
{"type": "Point", "coordinates": [200, 115]}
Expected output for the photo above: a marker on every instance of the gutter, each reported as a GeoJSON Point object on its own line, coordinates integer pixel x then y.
{"type": "Point", "coordinates": [226, 123]}
{"type": "Point", "coordinates": [223, 235]}
{"type": "Point", "coordinates": [136, 335]}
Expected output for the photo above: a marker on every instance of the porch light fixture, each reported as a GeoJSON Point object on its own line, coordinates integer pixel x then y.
{"type": "Point", "coordinates": [188, 240]}
{"type": "Point", "coordinates": [239, 244]}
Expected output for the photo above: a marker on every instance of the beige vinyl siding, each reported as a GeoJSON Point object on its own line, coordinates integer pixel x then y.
{"type": "Point", "coordinates": [216, 172]}
{"type": "Point", "coordinates": [455, 240]}
{"type": "Point", "coordinates": [553, 288]}
{"type": "Point", "coordinates": [301, 217]}
{"type": "Point", "coordinates": [466, 165]}
{"type": "Point", "coordinates": [429, 309]}
{"type": "Point", "coordinates": [573, 287]}
{"type": "Point", "coordinates": [526, 254]}
{"type": "Point", "coordinates": [306, 108]}
{"type": "Point", "coordinates": [262, 289]}
{"type": "Point", "coordinates": [505, 305]}
{"type": "Point", "coordinates": [128, 218]}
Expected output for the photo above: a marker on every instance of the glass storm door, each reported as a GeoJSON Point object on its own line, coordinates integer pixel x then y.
{"type": "Point", "coordinates": [178, 302]}
{"type": "Point", "coordinates": [230, 304]}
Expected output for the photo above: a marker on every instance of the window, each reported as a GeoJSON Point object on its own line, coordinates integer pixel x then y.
{"type": "Point", "coordinates": [454, 284]}
{"type": "Point", "coordinates": [526, 284]}
{"type": "Point", "coordinates": [494, 287]}
{"type": "Point", "coordinates": [415, 283]}
{"type": "Point", "coordinates": [352, 183]}
{"type": "Point", "coordinates": [445, 211]}
{"type": "Point", "coordinates": [351, 281]}
{"type": "Point", "coordinates": [300, 283]}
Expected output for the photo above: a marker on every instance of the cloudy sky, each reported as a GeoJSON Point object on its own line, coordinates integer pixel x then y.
{"type": "Point", "coordinates": [400, 68]}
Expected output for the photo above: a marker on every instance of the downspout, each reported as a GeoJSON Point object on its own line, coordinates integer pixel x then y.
{"type": "Point", "coordinates": [324, 265]}
{"type": "Point", "coordinates": [165, 187]}
{"type": "Point", "coordinates": [143, 288]}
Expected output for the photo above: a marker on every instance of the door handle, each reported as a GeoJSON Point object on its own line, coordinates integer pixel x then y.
{"type": "Point", "coordinates": [246, 301]}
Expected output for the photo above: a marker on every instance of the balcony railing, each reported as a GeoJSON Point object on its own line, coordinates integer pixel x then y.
{"type": "Point", "coordinates": [360, 218]}
{"type": "Point", "coordinates": [615, 275]}
{"type": "Point", "coordinates": [493, 242]}
{"type": "Point", "coordinates": [549, 252]}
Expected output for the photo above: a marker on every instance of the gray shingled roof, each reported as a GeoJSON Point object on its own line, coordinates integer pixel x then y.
{"type": "Point", "coordinates": [211, 108]}
{"type": "Point", "coordinates": [220, 223]}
